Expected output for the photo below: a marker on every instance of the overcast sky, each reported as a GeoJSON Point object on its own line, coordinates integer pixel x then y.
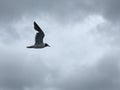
{"type": "Point", "coordinates": [84, 39]}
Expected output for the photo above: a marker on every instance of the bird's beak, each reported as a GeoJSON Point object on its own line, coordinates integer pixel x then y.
{"type": "Point", "coordinates": [48, 45]}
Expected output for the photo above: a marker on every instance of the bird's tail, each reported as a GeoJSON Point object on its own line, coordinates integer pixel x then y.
{"type": "Point", "coordinates": [30, 47]}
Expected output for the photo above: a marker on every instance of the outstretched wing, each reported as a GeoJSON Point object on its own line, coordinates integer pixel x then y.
{"type": "Point", "coordinates": [37, 28]}
{"type": "Point", "coordinates": [40, 35]}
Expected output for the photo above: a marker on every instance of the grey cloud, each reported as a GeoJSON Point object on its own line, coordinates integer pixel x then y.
{"type": "Point", "coordinates": [8, 31]}
{"type": "Point", "coordinates": [27, 69]}
{"type": "Point", "coordinates": [19, 72]}
{"type": "Point", "coordinates": [13, 11]}
{"type": "Point", "coordinates": [102, 76]}
{"type": "Point", "coordinates": [62, 9]}
{"type": "Point", "coordinates": [108, 8]}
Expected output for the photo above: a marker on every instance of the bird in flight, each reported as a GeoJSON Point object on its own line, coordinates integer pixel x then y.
{"type": "Point", "coordinates": [38, 38]}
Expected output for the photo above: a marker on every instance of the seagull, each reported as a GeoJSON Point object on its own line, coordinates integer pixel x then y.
{"type": "Point", "coordinates": [38, 38]}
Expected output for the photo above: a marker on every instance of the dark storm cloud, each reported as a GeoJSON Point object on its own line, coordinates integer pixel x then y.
{"type": "Point", "coordinates": [11, 10]}
{"type": "Point", "coordinates": [108, 8]}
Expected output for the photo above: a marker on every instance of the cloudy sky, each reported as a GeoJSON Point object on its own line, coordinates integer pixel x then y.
{"type": "Point", "coordinates": [84, 39]}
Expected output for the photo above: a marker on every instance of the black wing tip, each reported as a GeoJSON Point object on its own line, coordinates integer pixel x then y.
{"type": "Point", "coordinates": [35, 22]}
{"type": "Point", "coordinates": [35, 25]}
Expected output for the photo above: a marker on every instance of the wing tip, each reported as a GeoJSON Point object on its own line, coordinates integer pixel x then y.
{"type": "Point", "coordinates": [35, 22]}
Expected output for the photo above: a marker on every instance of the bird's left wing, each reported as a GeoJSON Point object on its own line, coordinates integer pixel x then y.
{"type": "Point", "coordinates": [37, 28]}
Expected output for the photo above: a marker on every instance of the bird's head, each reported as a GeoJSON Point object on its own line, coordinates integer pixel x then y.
{"type": "Point", "coordinates": [46, 45]}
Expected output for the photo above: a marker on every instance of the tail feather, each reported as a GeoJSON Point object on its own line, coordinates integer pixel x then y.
{"type": "Point", "coordinates": [30, 46]}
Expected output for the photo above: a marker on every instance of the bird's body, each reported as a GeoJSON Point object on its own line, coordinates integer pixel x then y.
{"type": "Point", "coordinates": [38, 38]}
